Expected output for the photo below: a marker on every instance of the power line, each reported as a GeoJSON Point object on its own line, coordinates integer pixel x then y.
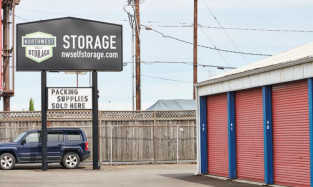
{"type": "Point", "coordinates": [21, 18]}
{"type": "Point", "coordinates": [212, 48]}
{"type": "Point", "coordinates": [226, 33]}
{"type": "Point", "coordinates": [189, 25]}
{"type": "Point", "coordinates": [62, 13]}
{"type": "Point", "coordinates": [168, 24]}
{"type": "Point", "coordinates": [219, 52]}
{"type": "Point", "coordinates": [161, 78]}
{"type": "Point", "coordinates": [257, 29]}
{"type": "Point", "coordinates": [187, 63]}
{"type": "Point", "coordinates": [97, 17]}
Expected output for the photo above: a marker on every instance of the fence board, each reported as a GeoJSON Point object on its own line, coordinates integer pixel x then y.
{"type": "Point", "coordinates": [144, 136]}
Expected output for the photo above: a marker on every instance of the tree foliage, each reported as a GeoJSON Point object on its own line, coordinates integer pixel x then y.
{"type": "Point", "coordinates": [31, 105]}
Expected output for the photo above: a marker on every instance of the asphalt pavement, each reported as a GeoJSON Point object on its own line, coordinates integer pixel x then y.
{"type": "Point", "coordinates": [167, 175]}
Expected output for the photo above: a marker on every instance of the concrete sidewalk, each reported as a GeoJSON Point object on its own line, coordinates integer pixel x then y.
{"type": "Point", "coordinates": [170, 175]}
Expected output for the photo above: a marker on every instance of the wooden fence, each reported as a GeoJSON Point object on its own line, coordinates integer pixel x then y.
{"type": "Point", "coordinates": [132, 136]}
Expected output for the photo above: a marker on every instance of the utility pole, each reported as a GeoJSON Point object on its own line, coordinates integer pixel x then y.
{"type": "Point", "coordinates": [6, 55]}
{"type": "Point", "coordinates": [8, 6]}
{"type": "Point", "coordinates": [133, 67]}
{"type": "Point", "coordinates": [195, 47]}
{"type": "Point", "coordinates": [138, 73]}
{"type": "Point", "coordinates": [131, 18]}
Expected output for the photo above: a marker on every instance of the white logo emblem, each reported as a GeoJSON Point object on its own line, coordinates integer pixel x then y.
{"type": "Point", "coordinates": [39, 46]}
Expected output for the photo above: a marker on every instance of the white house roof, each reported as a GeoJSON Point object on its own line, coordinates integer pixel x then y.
{"type": "Point", "coordinates": [291, 57]}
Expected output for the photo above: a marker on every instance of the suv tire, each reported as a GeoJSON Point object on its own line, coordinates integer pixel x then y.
{"type": "Point", "coordinates": [71, 160]}
{"type": "Point", "coordinates": [7, 161]}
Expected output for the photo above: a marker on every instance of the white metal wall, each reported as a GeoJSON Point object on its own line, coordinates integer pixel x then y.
{"type": "Point", "coordinates": [287, 74]}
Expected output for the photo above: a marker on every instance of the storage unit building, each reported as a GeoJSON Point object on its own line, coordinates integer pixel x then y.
{"type": "Point", "coordinates": [256, 122]}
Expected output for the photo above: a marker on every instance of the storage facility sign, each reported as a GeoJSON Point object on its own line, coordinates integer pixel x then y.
{"type": "Point", "coordinates": [69, 44]}
{"type": "Point", "coordinates": [69, 98]}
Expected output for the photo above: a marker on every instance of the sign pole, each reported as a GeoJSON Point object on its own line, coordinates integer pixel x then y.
{"type": "Point", "coordinates": [44, 120]}
{"type": "Point", "coordinates": [95, 143]}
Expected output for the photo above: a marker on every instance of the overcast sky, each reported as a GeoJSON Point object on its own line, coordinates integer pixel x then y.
{"type": "Point", "coordinates": [115, 88]}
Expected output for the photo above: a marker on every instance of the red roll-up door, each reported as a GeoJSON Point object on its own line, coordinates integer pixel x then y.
{"type": "Point", "coordinates": [217, 135]}
{"type": "Point", "coordinates": [291, 143]}
{"type": "Point", "coordinates": [249, 134]}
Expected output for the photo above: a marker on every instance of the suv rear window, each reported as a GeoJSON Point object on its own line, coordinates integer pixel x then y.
{"type": "Point", "coordinates": [56, 136]}
{"type": "Point", "coordinates": [74, 136]}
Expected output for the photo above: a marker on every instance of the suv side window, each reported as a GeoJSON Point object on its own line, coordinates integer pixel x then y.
{"type": "Point", "coordinates": [74, 136]}
{"type": "Point", "coordinates": [33, 137]}
{"type": "Point", "coordinates": [55, 136]}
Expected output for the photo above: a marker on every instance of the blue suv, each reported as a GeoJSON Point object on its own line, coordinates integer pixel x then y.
{"type": "Point", "coordinates": [67, 146]}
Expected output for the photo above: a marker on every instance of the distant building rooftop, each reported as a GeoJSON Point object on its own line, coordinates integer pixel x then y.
{"type": "Point", "coordinates": [176, 104]}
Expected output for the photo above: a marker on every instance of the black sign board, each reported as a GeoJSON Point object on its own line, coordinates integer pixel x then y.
{"type": "Point", "coordinates": [69, 44]}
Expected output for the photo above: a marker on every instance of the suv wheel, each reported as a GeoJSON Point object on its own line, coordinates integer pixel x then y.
{"type": "Point", "coordinates": [71, 160]}
{"type": "Point", "coordinates": [7, 161]}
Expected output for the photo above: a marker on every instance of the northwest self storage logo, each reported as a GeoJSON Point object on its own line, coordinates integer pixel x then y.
{"type": "Point", "coordinates": [39, 46]}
